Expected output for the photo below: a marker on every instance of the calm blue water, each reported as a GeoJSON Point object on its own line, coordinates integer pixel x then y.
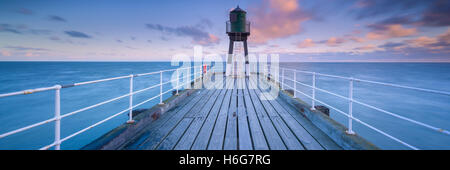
{"type": "Point", "coordinates": [19, 111]}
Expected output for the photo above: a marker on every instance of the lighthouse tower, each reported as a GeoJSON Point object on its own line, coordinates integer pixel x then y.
{"type": "Point", "coordinates": [238, 29]}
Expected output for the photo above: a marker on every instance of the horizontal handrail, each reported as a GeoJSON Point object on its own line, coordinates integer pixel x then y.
{"type": "Point", "coordinates": [353, 118]}
{"type": "Point", "coordinates": [372, 82]}
{"type": "Point", "coordinates": [30, 91]}
{"type": "Point", "coordinates": [378, 109]}
{"type": "Point", "coordinates": [351, 100]}
{"type": "Point", "coordinates": [58, 117]}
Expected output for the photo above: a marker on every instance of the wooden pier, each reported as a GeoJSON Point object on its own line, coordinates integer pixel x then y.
{"type": "Point", "coordinates": [233, 118]}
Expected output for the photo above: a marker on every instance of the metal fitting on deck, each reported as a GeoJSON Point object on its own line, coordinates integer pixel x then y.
{"type": "Point", "coordinates": [27, 92]}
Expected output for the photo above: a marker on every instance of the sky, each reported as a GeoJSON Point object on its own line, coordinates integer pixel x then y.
{"type": "Point", "coordinates": [297, 30]}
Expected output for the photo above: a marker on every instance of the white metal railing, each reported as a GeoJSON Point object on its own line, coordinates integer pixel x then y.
{"type": "Point", "coordinates": [350, 99]}
{"type": "Point", "coordinates": [57, 117]}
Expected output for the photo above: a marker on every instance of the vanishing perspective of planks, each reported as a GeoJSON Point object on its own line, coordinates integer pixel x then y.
{"type": "Point", "coordinates": [236, 118]}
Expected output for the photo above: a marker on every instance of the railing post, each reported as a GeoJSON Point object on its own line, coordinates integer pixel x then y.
{"type": "Point", "coordinates": [130, 119]}
{"type": "Point", "coordinates": [282, 79]}
{"type": "Point", "coordinates": [313, 91]}
{"type": "Point", "coordinates": [57, 117]}
{"type": "Point", "coordinates": [178, 78]}
{"type": "Point", "coordinates": [350, 108]}
{"type": "Point", "coordinates": [203, 73]}
{"type": "Point", "coordinates": [160, 88]}
{"type": "Point", "coordinates": [295, 84]}
{"type": "Point", "coordinates": [187, 78]}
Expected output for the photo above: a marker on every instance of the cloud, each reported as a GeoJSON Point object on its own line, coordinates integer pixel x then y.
{"type": "Point", "coordinates": [211, 40]}
{"type": "Point", "coordinates": [56, 18]}
{"type": "Point", "coordinates": [9, 28]}
{"type": "Point", "coordinates": [24, 11]}
{"type": "Point", "coordinates": [430, 13]}
{"type": "Point", "coordinates": [422, 41]}
{"type": "Point", "coordinates": [333, 41]}
{"type": "Point", "coordinates": [438, 44]}
{"type": "Point", "coordinates": [274, 19]}
{"type": "Point", "coordinates": [40, 31]}
{"type": "Point", "coordinates": [371, 8]}
{"type": "Point", "coordinates": [284, 5]}
{"type": "Point", "coordinates": [367, 48]}
{"type": "Point", "coordinates": [77, 34]}
{"type": "Point", "coordinates": [382, 32]}
{"type": "Point", "coordinates": [358, 39]}
{"type": "Point", "coordinates": [393, 46]}
{"type": "Point", "coordinates": [205, 23]}
{"type": "Point", "coordinates": [23, 51]}
{"type": "Point", "coordinates": [54, 38]}
{"type": "Point", "coordinates": [21, 48]}
{"type": "Point", "coordinates": [30, 54]}
{"type": "Point", "coordinates": [164, 38]}
{"type": "Point", "coordinates": [437, 15]}
{"type": "Point", "coordinates": [445, 37]}
{"type": "Point", "coordinates": [199, 36]}
{"type": "Point", "coordinates": [5, 53]}
{"type": "Point", "coordinates": [306, 43]}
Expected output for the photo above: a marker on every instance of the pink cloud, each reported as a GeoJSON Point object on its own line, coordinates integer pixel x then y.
{"type": "Point", "coordinates": [274, 19]}
{"type": "Point", "coordinates": [284, 5]}
{"type": "Point", "coordinates": [306, 43]}
{"type": "Point", "coordinates": [333, 41]}
{"type": "Point", "coordinates": [5, 53]}
{"type": "Point", "coordinates": [439, 42]}
{"type": "Point", "coordinates": [368, 48]}
{"type": "Point", "coordinates": [357, 39]}
{"type": "Point", "coordinates": [390, 31]}
{"type": "Point", "coordinates": [422, 41]}
{"type": "Point", "coordinates": [212, 39]}
{"type": "Point", "coordinates": [445, 37]}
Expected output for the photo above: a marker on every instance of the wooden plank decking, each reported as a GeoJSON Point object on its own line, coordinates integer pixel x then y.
{"type": "Point", "coordinates": [233, 118]}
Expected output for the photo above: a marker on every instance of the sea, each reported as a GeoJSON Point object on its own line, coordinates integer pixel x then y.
{"type": "Point", "coordinates": [23, 110]}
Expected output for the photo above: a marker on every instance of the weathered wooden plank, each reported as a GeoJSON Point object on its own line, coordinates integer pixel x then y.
{"type": "Point", "coordinates": [305, 138]}
{"type": "Point", "coordinates": [285, 133]}
{"type": "Point", "coordinates": [160, 133]}
{"type": "Point", "coordinates": [201, 142]}
{"type": "Point", "coordinates": [258, 136]}
{"type": "Point", "coordinates": [300, 132]}
{"type": "Point", "coordinates": [171, 140]}
{"type": "Point", "coordinates": [244, 138]}
{"type": "Point", "coordinates": [188, 138]}
{"type": "Point", "coordinates": [323, 139]}
{"type": "Point", "coordinates": [315, 138]}
{"type": "Point", "coordinates": [283, 130]}
{"type": "Point", "coordinates": [230, 142]}
{"type": "Point", "coordinates": [148, 133]}
{"type": "Point", "coordinates": [273, 138]}
{"type": "Point", "coordinates": [217, 138]}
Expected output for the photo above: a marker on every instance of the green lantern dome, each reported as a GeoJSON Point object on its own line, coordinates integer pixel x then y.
{"type": "Point", "coordinates": [238, 20]}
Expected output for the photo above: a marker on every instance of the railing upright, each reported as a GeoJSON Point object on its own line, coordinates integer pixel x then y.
{"type": "Point", "coordinates": [295, 84]}
{"type": "Point", "coordinates": [282, 79]}
{"type": "Point", "coordinates": [58, 117]}
{"type": "Point", "coordinates": [313, 103]}
{"type": "Point", "coordinates": [130, 119]}
{"type": "Point", "coordinates": [160, 88]}
{"type": "Point", "coordinates": [187, 78]}
{"type": "Point", "coordinates": [350, 107]}
{"type": "Point", "coordinates": [178, 78]}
